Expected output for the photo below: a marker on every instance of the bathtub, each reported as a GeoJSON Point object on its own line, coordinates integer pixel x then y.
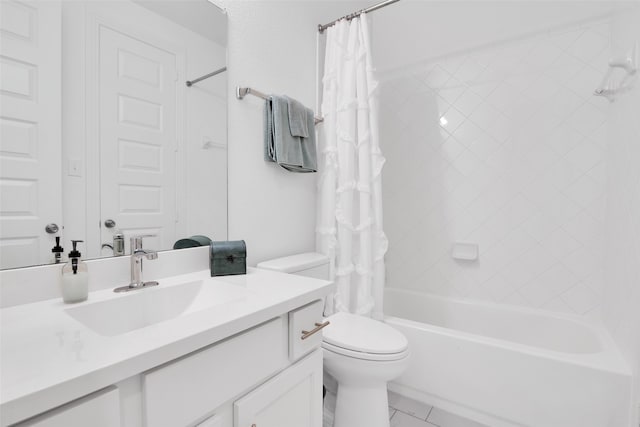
{"type": "Point", "coordinates": [506, 367]}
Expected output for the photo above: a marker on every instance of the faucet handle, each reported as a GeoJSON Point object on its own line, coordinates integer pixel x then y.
{"type": "Point", "coordinates": [136, 241]}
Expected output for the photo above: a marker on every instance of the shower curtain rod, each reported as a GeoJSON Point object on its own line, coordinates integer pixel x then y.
{"type": "Point", "coordinates": [350, 16]}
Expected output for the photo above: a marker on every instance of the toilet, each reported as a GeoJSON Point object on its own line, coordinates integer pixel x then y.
{"type": "Point", "coordinates": [362, 354]}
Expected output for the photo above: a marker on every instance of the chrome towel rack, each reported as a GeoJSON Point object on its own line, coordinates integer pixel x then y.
{"type": "Point", "coordinates": [241, 92]}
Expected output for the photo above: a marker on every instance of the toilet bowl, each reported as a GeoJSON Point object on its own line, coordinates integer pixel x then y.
{"type": "Point", "coordinates": [360, 353]}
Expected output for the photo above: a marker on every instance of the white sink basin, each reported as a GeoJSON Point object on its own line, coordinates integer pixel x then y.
{"type": "Point", "coordinates": [137, 309]}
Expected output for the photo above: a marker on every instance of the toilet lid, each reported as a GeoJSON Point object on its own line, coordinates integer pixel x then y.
{"type": "Point", "coordinates": [362, 334]}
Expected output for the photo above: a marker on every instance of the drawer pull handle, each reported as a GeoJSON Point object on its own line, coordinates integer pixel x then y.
{"type": "Point", "coordinates": [307, 334]}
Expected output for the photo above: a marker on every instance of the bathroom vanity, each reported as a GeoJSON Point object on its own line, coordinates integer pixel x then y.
{"type": "Point", "coordinates": [193, 351]}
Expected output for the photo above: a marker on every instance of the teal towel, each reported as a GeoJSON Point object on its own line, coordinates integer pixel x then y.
{"type": "Point", "coordinates": [294, 153]}
{"type": "Point", "coordinates": [269, 147]}
{"type": "Point", "coordinates": [297, 118]}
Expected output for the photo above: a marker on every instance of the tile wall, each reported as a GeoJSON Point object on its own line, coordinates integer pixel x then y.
{"type": "Point", "coordinates": [621, 306]}
{"type": "Point", "coordinates": [503, 146]}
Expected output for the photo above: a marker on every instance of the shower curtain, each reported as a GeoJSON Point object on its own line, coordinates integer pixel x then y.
{"type": "Point", "coordinates": [350, 195]}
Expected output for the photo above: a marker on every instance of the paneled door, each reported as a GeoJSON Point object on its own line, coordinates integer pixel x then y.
{"type": "Point", "coordinates": [138, 137]}
{"type": "Point", "coordinates": [30, 147]}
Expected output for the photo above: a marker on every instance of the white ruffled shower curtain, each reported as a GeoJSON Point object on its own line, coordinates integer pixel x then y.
{"type": "Point", "coordinates": [350, 193]}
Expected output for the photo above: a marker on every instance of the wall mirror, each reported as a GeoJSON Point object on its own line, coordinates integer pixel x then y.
{"type": "Point", "coordinates": [100, 132]}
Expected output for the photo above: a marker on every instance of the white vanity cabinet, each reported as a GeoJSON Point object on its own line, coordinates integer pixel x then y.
{"type": "Point", "coordinates": [269, 375]}
{"type": "Point", "coordinates": [273, 374]}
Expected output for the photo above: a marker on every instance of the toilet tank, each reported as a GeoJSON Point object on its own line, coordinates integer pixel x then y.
{"type": "Point", "coordinates": [310, 264]}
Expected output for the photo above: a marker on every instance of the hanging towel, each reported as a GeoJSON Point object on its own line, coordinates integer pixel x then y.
{"type": "Point", "coordinates": [269, 147]}
{"type": "Point", "coordinates": [294, 153]}
{"type": "Point", "coordinates": [298, 118]}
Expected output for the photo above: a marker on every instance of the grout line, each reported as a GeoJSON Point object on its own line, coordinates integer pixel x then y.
{"type": "Point", "coordinates": [427, 419]}
{"type": "Point", "coordinates": [412, 416]}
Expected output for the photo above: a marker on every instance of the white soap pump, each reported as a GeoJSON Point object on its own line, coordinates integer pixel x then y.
{"type": "Point", "coordinates": [75, 277]}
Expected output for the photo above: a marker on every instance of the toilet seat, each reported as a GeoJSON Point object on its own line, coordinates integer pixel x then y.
{"type": "Point", "coordinates": [363, 338]}
{"type": "Point", "coordinates": [365, 356]}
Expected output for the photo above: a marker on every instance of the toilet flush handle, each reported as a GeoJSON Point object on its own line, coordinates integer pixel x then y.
{"type": "Point", "coordinates": [307, 334]}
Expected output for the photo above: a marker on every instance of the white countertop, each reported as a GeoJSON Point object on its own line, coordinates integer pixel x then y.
{"type": "Point", "coordinates": [48, 358]}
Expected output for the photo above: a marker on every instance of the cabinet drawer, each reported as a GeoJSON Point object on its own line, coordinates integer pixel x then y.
{"type": "Point", "coordinates": [214, 421]}
{"type": "Point", "coordinates": [186, 390]}
{"type": "Point", "coordinates": [302, 323]}
{"type": "Point", "coordinates": [100, 409]}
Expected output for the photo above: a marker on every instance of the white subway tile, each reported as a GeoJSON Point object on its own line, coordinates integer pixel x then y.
{"type": "Point", "coordinates": [518, 167]}
{"type": "Point", "coordinates": [581, 298]}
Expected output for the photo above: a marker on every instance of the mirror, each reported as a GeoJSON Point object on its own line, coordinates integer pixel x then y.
{"type": "Point", "coordinates": [100, 132]}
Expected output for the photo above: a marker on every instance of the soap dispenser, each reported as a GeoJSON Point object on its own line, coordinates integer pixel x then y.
{"type": "Point", "coordinates": [57, 251]}
{"type": "Point", "coordinates": [75, 277]}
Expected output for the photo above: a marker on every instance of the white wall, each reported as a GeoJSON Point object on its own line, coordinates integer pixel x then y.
{"type": "Point", "coordinates": [434, 29]}
{"type": "Point", "coordinates": [205, 144]}
{"type": "Point", "coordinates": [518, 167]}
{"type": "Point", "coordinates": [272, 48]}
{"type": "Point", "coordinates": [621, 309]}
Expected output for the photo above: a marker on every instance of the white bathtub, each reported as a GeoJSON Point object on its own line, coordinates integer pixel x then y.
{"type": "Point", "coordinates": [508, 367]}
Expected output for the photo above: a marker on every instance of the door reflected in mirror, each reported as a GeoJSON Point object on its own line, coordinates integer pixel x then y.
{"type": "Point", "coordinates": [101, 136]}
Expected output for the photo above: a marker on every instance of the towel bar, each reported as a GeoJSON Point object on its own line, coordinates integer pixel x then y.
{"type": "Point", "coordinates": [190, 83]}
{"type": "Point", "coordinates": [241, 92]}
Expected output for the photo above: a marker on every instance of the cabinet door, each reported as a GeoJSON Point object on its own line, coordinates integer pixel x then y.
{"type": "Point", "coordinates": [293, 398]}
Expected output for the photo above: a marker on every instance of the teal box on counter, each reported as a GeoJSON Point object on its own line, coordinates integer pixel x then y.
{"type": "Point", "coordinates": [228, 258]}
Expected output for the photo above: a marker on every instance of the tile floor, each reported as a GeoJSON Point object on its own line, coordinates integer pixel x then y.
{"type": "Point", "coordinates": [405, 412]}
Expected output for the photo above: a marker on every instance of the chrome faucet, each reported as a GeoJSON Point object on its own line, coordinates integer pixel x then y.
{"type": "Point", "coordinates": [137, 255]}
{"type": "Point", "coordinates": [136, 266]}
